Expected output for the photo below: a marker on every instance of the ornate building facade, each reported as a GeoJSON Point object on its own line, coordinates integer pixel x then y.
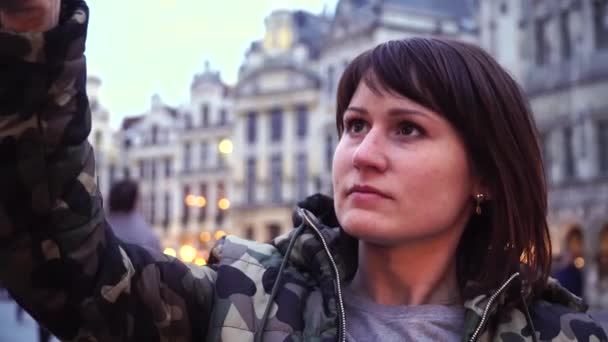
{"type": "Point", "coordinates": [280, 115]}
{"type": "Point", "coordinates": [558, 51]}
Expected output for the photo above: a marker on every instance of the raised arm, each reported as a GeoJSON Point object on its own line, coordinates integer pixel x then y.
{"type": "Point", "coordinates": [58, 257]}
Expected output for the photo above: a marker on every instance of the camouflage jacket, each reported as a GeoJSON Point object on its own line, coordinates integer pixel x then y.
{"type": "Point", "coordinates": [61, 262]}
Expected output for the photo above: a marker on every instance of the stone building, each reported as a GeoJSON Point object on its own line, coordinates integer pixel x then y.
{"type": "Point", "coordinates": [276, 103]}
{"type": "Point", "coordinates": [181, 159]}
{"type": "Point", "coordinates": [101, 137]}
{"type": "Point", "coordinates": [558, 51]}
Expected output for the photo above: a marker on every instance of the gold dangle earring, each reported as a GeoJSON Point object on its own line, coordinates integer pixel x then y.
{"type": "Point", "coordinates": [479, 198]}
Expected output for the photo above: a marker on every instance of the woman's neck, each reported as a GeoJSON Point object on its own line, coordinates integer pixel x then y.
{"type": "Point", "coordinates": [419, 273]}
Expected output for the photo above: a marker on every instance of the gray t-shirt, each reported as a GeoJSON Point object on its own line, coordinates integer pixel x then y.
{"type": "Point", "coordinates": [368, 321]}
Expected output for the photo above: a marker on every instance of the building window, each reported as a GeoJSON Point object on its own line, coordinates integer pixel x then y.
{"type": "Point", "coordinates": [187, 160]}
{"type": "Point", "coordinates": [141, 165]}
{"type": "Point", "coordinates": [566, 39]}
{"type": "Point", "coordinates": [221, 194]}
{"type": "Point", "coordinates": [568, 153]}
{"type": "Point", "coordinates": [222, 158]}
{"type": "Point", "coordinates": [202, 211]}
{"type": "Point", "coordinates": [276, 125]}
{"type": "Point", "coordinates": [188, 121]}
{"type": "Point", "coordinates": [152, 208]}
{"type": "Point", "coordinates": [167, 211]}
{"type": "Point", "coordinates": [503, 7]}
{"type": "Point", "coordinates": [276, 179]}
{"type": "Point", "coordinates": [250, 179]}
{"type": "Point", "coordinates": [274, 230]}
{"type": "Point", "coordinates": [251, 127]}
{"type": "Point", "coordinates": [603, 145]}
{"type": "Point", "coordinates": [301, 176]}
{"type": "Point", "coordinates": [219, 218]}
{"type": "Point", "coordinates": [152, 165]}
{"type": "Point", "coordinates": [154, 135]}
{"type": "Point", "coordinates": [167, 167]}
{"type": "Point", "coordinates": [330, 79]}
{"type": "Point", "coordinates": [302, 122]}
{"type": "Point", "coordinates": [127, 143]}
{"type": "Point", "coordinates": [223, 117]}
{"type": "Point", "coordinates": [249, 233]}
{"type": "Point", "coordinates": [542, 45]}
{"type": "Point", "coordinates": [221, 190]}
{"type": "Point", "coordinates": [329, 151]}
{"type": "Point", "coordinates": [112, 176]}
{"type": "Point", "coordinates": [600, 23]}
{"type": "Point", "coordinates": [98, 139]}
{"type": "Point", "coordinates": [185, 207]}
{"type": "Point", "coordinates": [204, 115]}
{"type": "Point", "coordinates": [204, 153]}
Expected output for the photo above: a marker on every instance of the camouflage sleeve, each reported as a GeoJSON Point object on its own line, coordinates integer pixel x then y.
{"type": "Point", "coordinates": [58, 257]}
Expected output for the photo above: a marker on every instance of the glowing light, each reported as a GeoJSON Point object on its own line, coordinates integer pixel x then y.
{"type": "Point", "coordinates": [225, 146]}
{"type": "Point", "coordinates": [223, 204]}
{"type": "Point", "coordinates": [201, 201]}
{"type": "Point", "coordinates": [200, 261]}
{"type": "Point", "coordinates": [187, 253]}
{"type": "Point", "coordinates": [170, 251]}
{"type": "Point", "coordinates": [205, 236]}
{"type": "Point", "coordinates": [190, 200]}
{"type": "Point", "coordinates": [579, 262]}
{"type": "Point", "coordinates": [219, 234]}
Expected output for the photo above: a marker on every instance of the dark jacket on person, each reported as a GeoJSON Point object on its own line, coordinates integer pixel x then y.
{"type": "Point", "coordinates": [61, 261]}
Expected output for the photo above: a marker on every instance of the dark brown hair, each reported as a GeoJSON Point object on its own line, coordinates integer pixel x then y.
{"type": "Point", "coordinates": [123, 196]}
{"type": "Point", "coordinates": [489, 110]}
{"type": "Point", "coordinates": [602, 266]}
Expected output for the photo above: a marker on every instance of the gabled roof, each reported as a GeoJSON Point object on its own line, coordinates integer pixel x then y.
{"type": "Point", "coordinates": [453, 8]}
{"type": "Point", "coordinates": [128, 122]}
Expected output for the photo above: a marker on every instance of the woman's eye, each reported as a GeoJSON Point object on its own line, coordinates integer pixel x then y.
{"type": "Point", "coordinates": [355, 125]}
{"type": "Point", "coordinates": [409, 129]}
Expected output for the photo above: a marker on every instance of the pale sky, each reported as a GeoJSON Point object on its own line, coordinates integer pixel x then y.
{"type": "Point", "coordinates": [142, 47]}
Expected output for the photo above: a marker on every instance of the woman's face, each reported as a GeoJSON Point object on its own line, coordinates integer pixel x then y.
{"type": "Point", "coordinates": [401, 172]}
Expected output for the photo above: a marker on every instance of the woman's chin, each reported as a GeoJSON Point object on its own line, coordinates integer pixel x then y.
{"type": "Point", "coordinates": [365, 225]}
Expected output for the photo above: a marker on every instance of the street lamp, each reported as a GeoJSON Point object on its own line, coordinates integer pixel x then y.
{"type": "Point", "coordinates": [187, 253]}
{"type": "Point", "coordinates": [225, 146]}
{"type": "Point", "coordinates": [201, 201]}
{"type": "Point", "coordinates": [190, 200]}
{"type": "Point", "coordinates": [223, 203]}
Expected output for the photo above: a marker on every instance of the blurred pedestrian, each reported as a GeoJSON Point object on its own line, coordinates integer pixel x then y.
{"type": "Point", "coordinates": [126, 220]}
{"type": "Point", "coordinates": [596, 284]}
{"type": "Point", "coordinates": [568, 267]}
{"type": "Point", "coordinates": [436, 230]}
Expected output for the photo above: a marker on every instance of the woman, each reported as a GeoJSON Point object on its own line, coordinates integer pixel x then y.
{"type": "Point", "coordinates": [438, 230]}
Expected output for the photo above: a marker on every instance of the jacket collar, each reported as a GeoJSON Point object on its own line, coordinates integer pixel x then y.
{"type": "Point", "coordinates": [308, 256]}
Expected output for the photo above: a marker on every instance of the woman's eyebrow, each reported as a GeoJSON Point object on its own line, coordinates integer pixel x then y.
{"type": "Point", "coordinates": [393, 112]}
{"type": "Point", "coordinates": [406, 111]}
{"type": "Point", "coordinates": [357, 109]}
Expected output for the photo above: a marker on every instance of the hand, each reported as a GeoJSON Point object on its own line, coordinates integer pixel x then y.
{"type": "Point", "coordinates": [29, 15]}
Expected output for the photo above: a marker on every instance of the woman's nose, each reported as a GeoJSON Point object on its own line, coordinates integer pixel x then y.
{"type": "Point", "coordinates": [371, 153]}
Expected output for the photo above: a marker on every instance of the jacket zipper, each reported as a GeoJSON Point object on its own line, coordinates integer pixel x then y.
{"type": "Point", "coordinates": [341, 310]}
{"type": "Point", "coordinates": [486, 310]}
